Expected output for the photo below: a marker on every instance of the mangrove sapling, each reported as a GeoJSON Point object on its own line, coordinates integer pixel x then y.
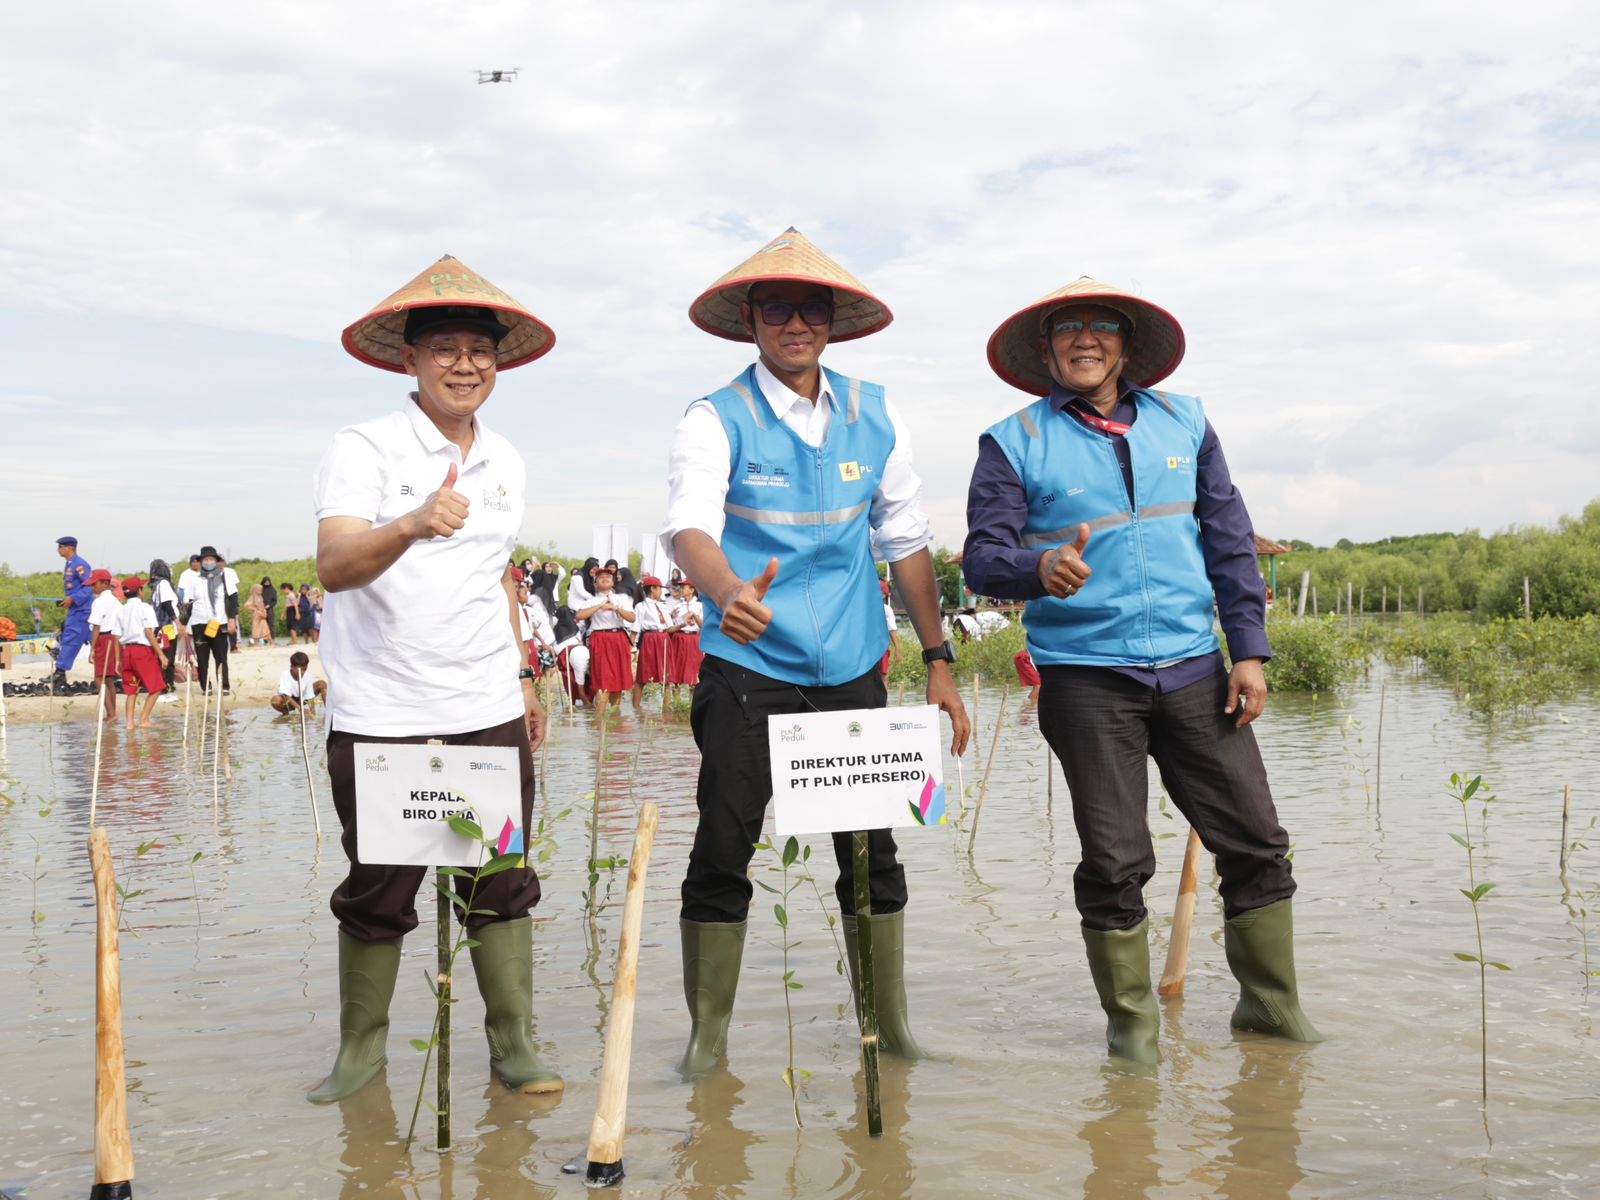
{"type": "Point", "coordinates": [790, 855]}
{"type": "Point", "coordinates": [1464, 790]}
{"type": "Point", "coordinates": [124, 893]}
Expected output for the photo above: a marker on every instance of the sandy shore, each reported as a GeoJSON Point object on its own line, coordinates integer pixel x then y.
{"type": "Point", "coordinates": [253, 673]}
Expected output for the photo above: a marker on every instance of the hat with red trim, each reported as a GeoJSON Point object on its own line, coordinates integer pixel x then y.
{"type": "Point", "coordinates": [789, 258]}
{"type": "Point", "coordinates": [649, 581]}
{"type": "Point", "coordinates": [99, 575]}
{"type": "Point", "coordinates": [1154, 348]}
{"type": "Point", "coordinates": [448, 294]}
{"type": "Point", "coordinates": [132, 584]}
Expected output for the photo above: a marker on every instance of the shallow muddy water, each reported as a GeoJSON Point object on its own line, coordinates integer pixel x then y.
{"type": "Point", "coordinates": [231, 1011]}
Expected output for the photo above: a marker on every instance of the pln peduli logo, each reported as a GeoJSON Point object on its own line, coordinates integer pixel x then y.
{"type": "Point", "coordinates": [379, 763]}
{"type": "Point", "coordinates": [792, 734]}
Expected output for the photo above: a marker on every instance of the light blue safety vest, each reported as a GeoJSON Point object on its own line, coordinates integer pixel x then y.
{"type": "Point", "coordinates": [1149, 601]}
{"type": "Point", "coordinates": [809, 508]}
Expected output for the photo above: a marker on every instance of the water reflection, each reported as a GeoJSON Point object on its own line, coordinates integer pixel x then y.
{"type": "Point", "coordinates": [714, 1163]}
{"type": "Point", "coordinates": [878, 1168]}
{"type": "Point", "coordinates": [373, 1158]}
{"type": "Point", "coordinates": [1263, 1114]}
{"type": "Point", "coordinates": [1122, 1138]}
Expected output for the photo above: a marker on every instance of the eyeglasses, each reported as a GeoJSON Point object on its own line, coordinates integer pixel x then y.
{"type": "Point", "coordinates": [1075, 327]}
{"type": "Point", "coordinates": [812, 312]}
{"type": "Point", "coordinates": [481, 357]}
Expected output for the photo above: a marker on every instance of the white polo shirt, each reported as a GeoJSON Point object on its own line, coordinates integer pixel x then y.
{"type": "Point", "coordinates": [136, 617]}
{"type": "Point", "coordinates": [652, 615]}
{"type": "Point", "coordinates": [607, 618]}
{"type": "Point", "coordinates": [426, 648]}
{"type": "Point", "coordinates": [204, 612]}
{"type": "Point", "coordinates": [105, 614]}
{"type": "Point", "coordinates": [304, 688]}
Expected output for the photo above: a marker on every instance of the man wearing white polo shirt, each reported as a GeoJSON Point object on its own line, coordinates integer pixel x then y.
{"type": "Point", "coordinates": [417, 516]}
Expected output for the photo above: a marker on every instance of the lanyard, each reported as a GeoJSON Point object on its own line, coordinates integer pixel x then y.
{"type": "Point", "coordinates": [1096, 421]}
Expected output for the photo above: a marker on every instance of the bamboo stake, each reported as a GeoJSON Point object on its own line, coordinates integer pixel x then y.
{"type": "Point", "coordinates": [188, 679]}
{"type": "Point", "coordinates": [1377, 774]}
{"type": "Point", "coordinates": [594, 812]}
{"type": "Point", "coordinates": [1049, 779]}
{"type": "Point", "coordinates": [611, 1112]}
{"type": "Point", "coordinates": [441, 1071]}
{"type": "Point", "coordinates": [1349, 612]}
{"type": "Point", "coordinates": [99, 732]}
{"type": "Point", "coordinates": [1566, 814]}
{"type": "Point", "coordinates": [216, 746]}
{"type": "Point", "coordinates": [1527, 600]}
{"type": "Point", "coordinates": [1305, 588]}
{"type": "Point", "coordinates": [983, 788]}
{"type": "Point", "coordinates": [961, 783]}
{"type": "Point", "coordinates": [866, 986]}
{"type": "Point", "coordinates": [305, 754]}
{"type": "Point", "coordinates": [975, 702]}
{"type": "Point", "coordinates": [1182, 920]}
{"type": "Point", "coordinates": [113, 1148]}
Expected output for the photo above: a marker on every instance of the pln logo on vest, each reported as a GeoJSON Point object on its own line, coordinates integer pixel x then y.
{"type": "Point", "coordinates": [1174, 462]}
{"type": "Point", "coordinates": [850, 472]}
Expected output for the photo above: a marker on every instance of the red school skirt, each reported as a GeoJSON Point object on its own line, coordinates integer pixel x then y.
{"type": "Point", "coordinates": [683, 658]}
{"type": "Point", "coordinates": [578, 693]}
{"type": "Point", "coordinates": [610, 661]}
{"type": "Point", "coordinates": [653, 652]}
{"type": "Point", "coordinates": [1027, 673]}
{"type": "Point", "coordinates": [107, 655]}
{"type": "Point", "coordinates": [141, 666]}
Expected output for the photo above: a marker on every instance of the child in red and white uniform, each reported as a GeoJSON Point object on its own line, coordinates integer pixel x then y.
{"type": "Point", "coordinates": [655, 618]}
{"type": "Point", "coordinates": [610, 651]}
{"type": "Point", "coordinates": [105, 622]}
{"type": "Point", "coordinates": [1027, 675]}
{"type": "Point", "coordinates": [892, 654]}
{"type": "Point", "coordinates": [143, 660]}
{"type": "Point", "coordinates": [683, 647]}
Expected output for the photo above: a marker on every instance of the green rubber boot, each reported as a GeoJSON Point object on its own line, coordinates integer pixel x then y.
{"type": "Point", "coordinates": [367, 972]}
{"type": "Point", "coordinates": [712, 954]}
{"type": "Point", "coordinates": [1260, 945]}
{"type": "Point", "coordinates": [888, 980]}
{"type": "Point", "coordinates": [503, 963]}
{"type": "Point", "coordinates": [1119, 961]}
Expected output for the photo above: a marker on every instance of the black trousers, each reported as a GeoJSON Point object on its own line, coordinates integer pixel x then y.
{"type": "Point", "coordinates": [729, 718]}
{"type": "Point", "coordinates": [375, 901]}
{"type": "Point", "coordinates": [205, 648]}
{"type": "Point", "coordinates": [1104, 727]}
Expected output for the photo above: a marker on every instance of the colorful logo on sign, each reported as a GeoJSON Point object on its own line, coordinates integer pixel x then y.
{"type": "Point", "coordinates": [930, 809]}
{"type": "Point", "coordinates": [854, 728]}
{"type": "Point", "coordinates": [510, 841]}
{"type": "Point", "coordinates": [436, 764]}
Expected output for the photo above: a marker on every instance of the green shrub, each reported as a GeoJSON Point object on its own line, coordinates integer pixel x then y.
{"type": "Point", "coordinates": [1313, 654]}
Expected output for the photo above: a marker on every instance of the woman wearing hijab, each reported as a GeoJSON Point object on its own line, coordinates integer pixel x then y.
{"type": "Point", "coordinates": [257, 608]}
{"type": "Point", "coordinates": [580, 592]}
{"type": "Point", "coordinates": [214, 617]}
{"type": "Point", "coordinates": [164, 599]}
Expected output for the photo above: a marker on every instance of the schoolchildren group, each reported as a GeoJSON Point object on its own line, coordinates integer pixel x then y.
{"type": "Point", "coordinates": [1103, 504]}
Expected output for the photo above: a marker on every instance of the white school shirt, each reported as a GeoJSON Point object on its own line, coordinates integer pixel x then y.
{"type": "Point", "coordinates": [698, 465]}
{"type": "Point", "coordinates": [888, 615]}
{"type": "Point", "coordinates": [187, 582]}
{"type": "Point", "coordinates": [202, 613]}
{"type": "Point", "coordinates": [690, 614]}
{"type": "Point", "coordinates": [135, 618]}
{"type": "Point", "coordinates": [604, 620]}
{"type": "Point", "coordinates": [105, 613]}
{"type": "Point", "coordinates": [304, 688]}
{"type": "Point", "coordinates": [427, 648]}
{"type": "Point", "coordinates": [652, 614]}
{"type": "Point", "coordinates": [161, 592]}
{"type": "Point", "coordinates": [578, 593]}
{"type": "Point", "coordinates": [539, 619]}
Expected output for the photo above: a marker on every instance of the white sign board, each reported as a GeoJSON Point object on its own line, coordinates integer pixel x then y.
{"type": "Point", "coordinates": [861, 768]}
{"type": "Point", "coordinates": [404, 793]}
{"type": "Point", "coordinates": [610, 541]}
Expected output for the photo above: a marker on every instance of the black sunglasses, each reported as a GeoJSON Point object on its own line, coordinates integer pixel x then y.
{"type": "Point", "coordinates": [778, 312]}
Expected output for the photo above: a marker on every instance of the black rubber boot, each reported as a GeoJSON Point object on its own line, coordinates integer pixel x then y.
{"type": "Point", "coordinates": [712, 954]}
{"type": "Point", "coordinates": [1119, 961]}
{"type": "Point", "coordinates": [503, 962]}
{"type": "Point", "coordinates": [1260, 945]}
{"type": "Point", "coordinates": [367, 972]}
{"type": "Point", "coordinates": [888, 980]}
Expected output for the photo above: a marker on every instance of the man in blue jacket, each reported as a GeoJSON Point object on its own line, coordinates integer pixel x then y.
{"type": "Point", "coordinates": [76, 597]}
{"type": "Point", "coordinates": [781, 484]}
{"type": "Point", "coordinates": [1108, 507]}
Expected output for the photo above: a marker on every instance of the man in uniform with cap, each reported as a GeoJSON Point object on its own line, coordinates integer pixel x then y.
{"type": "Point", "coordinates": [417, 517]}
{"type": "Point", "coordinates": [1108, 507]}
{"type": "Point", "coordinates": [76, 597]}
{"type": "Point", "coordinates": [780, 484]}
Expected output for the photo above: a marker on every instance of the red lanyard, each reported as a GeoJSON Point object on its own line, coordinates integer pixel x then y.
{"type": "Point", "coordinates": [1116, 428]}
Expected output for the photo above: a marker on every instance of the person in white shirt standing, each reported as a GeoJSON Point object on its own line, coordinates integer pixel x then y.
{"type": "Point", "coordinates": [214, 617]}
{"type": "Point", "coordinates": [105, 622]}
{"type": "Point", "coordinates": [609, 614]}
{"type": "Point", "coordinates": [655, 618]}
{"type": "Point", "coordinates": [143, 660]}
{"type": "Point", "coordinates": [417, 518]}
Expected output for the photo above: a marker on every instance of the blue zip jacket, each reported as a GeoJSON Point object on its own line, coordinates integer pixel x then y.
{"type": "Point", "coordinates": [1149, 601]}
{"type": "Point", "coordinates": [810, 508]}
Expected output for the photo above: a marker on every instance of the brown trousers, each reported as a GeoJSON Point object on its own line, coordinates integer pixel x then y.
{"type": "Point", "coordinates": [378, 902]}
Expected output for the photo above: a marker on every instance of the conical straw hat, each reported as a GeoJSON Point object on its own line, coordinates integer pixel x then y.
{"type": "Point", "coordinates": [1153, 354]}
{"type": "Point", "coordinates": [377, 337]}
{"type": "Point", "coordinates": [790, 258]}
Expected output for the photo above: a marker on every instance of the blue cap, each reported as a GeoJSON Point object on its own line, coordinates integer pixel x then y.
{"type": "Point", "coordinates": [67, 541]}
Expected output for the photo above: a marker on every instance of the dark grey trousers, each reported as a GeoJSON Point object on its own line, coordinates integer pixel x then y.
{"type": "Point", "coordinates": [1104, 727]}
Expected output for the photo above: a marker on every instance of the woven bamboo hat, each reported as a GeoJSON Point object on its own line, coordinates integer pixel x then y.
{"type": "Point", "coordinates": [790, 258]}
{"type": "Point", "coordinates": [376, 338]}
{"type": "Point", "coordinates": [1154, 351]}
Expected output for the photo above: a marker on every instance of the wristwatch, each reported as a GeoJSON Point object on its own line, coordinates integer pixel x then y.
{"type": "Point", "coordinates": [527, 673]}
{"type": "Point", "coordinates": [945, 651]}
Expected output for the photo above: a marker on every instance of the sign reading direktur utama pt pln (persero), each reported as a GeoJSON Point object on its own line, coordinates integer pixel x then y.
{"type": "Point", "coordinates": [405, 795]}
{"type": "Point", "coordinates": [861, 768]}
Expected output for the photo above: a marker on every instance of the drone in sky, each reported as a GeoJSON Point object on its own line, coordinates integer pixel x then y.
{"type": "Point", "coordinates": [498, 76]}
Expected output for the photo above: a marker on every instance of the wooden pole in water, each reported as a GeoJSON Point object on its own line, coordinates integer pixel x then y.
{"type": "Point", "coordinates": [1377, 774]}
{"type": "Point", "coordinates": [1384, 611]}
{"type": "Point", "coordinates": [1182, 920]}
{"type": "Point", "coordinates": [113, 1148]}
{"type": "Point", "coordinates": [188, 678]}
{"type": "Point", "coordinates": [305, 753]}
{"type": "Point", "coordinates": [868, 998]}
{"type": "Point", "coordinates": [1566, 814]}
{"type": "Point", "coordinates": [974, 702]}
{"type": "Point", "coordinates": [611, 1112]}
{"type": "Point", "coordinates": [99, 732]}
{"type": "Point", "coordinates": [216, 744]}
{"type": "Point", "coordinates": [983, 788]}
{"type": "Point", "coordinates": [441, 1073]}
{"type": "Point", "coordinates": [1305, 590]}
{"type": "Point", "coordinates": [1049, 778]}
{"type": "Point", "coordinates": [1349, 611]}
{"type": "Point", "coordinates": [1527, 600]}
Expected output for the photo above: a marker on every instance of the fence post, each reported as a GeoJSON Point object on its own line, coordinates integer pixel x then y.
{"type": "Point", "coordinates": [1305, 588]}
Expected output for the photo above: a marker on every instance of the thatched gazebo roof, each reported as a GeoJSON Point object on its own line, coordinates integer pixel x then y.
{"type": "Point", "coordinates": [1265, 547]}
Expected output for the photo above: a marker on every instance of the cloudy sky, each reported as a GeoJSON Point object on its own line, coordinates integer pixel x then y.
{"type": "Point", "coordinates": [1377, 222]}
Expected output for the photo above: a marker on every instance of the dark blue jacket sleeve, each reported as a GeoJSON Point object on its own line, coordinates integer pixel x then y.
{"type": "Point", "coordinates": [1228, 540]}
{"type": "Point", "coordinates": [993, 559]}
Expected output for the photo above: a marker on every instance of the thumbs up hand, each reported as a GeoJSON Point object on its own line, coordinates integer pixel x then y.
{"type": "Point", "coordinates": [744, 616]}
{"type": "Point", "coordinates": [441, 514]}
{"type": "Point", "coordinates": [1063, 572]}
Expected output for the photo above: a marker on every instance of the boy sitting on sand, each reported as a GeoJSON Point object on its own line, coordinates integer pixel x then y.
{"type": "Point", "coordinates": [295, 686]}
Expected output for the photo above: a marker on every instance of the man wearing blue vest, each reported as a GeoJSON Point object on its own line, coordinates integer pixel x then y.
{"type": "Point", "coordinates": [76, 597]}
{"type": "Point", "coordinates": [1108, 507]}
{"type": "Point", "coordinates": [781, 484]}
